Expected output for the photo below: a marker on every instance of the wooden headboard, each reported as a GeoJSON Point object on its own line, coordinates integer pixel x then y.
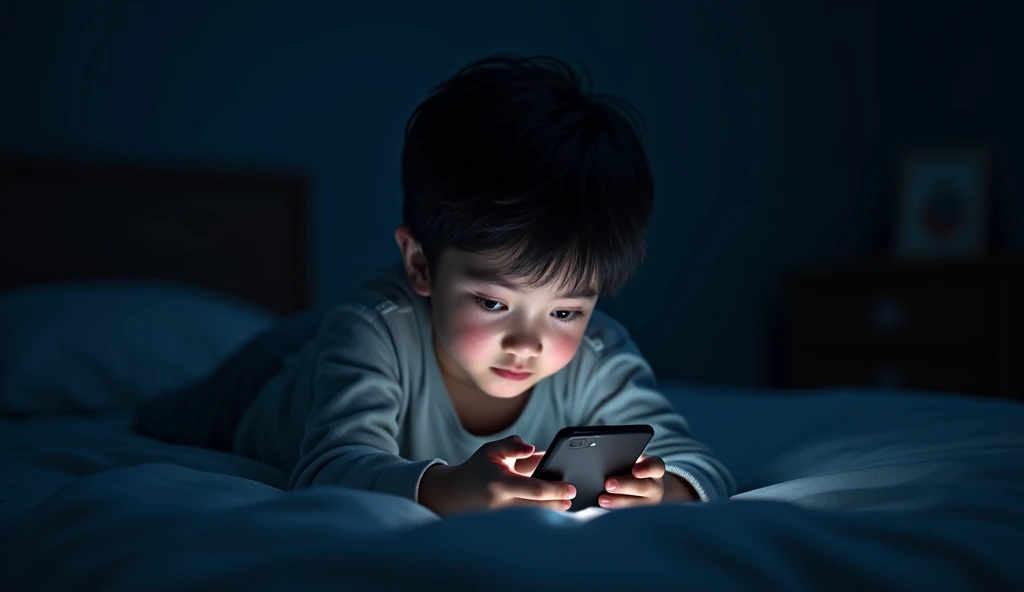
{"type": "Point", "coordinates": [242, 233]}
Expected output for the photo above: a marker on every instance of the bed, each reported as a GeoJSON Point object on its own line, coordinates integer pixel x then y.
{"type": "Point", "coordinates": [843, 488]}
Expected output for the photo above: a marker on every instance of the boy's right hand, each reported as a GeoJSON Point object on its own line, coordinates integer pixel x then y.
{"type": "Point", "coordinates": [486, 481]}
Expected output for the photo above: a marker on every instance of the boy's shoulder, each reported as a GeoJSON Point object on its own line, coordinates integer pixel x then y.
{"type": "Point", "coordinates": [607, 347]}
{"type": "Point", "coordinates": [385, 291]}
{"type": "Point", "coordinates": [605, 334]}
{"type": "Point", "coordinates": [385, 302]}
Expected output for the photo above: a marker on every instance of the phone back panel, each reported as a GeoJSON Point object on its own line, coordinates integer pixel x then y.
{"type": "Point", "coordinates": [587, 456]}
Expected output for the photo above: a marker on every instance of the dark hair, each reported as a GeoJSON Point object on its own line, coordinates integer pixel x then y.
{"type": "Point", "coordinates": [516, 157]}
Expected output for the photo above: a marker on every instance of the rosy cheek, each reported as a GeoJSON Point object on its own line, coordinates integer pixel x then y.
{"type": "Point", "coordinates": [469, 340]}
{"type": "Point", "coordinates": [563, 348]}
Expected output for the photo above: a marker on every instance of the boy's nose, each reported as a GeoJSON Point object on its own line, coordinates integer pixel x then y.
{"type": "Point", "coordinates": [524, 345]}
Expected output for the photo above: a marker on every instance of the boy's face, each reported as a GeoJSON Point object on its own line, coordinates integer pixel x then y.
{"type": "Point", "coordinates": [497, 334]}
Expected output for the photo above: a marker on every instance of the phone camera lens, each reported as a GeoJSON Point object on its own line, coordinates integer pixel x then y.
{"type": "Point", "coordinates": [577, 443]}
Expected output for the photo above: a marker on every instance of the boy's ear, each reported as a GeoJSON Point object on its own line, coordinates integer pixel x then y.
{"type": "Point", "coordinates": [413, 260]}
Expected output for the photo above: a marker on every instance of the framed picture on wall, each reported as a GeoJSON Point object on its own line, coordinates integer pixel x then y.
{"type": "Point", "coordinates": [944, 206]}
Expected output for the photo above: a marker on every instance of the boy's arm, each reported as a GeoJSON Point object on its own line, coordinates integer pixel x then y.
{"type": "Point", "coordinates": [352, 428]}
{"type": "Point", "coordinates": [620, 389]}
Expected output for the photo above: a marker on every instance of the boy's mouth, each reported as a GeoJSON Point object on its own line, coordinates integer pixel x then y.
{"type": "Point", "coordinates": [511, 375]}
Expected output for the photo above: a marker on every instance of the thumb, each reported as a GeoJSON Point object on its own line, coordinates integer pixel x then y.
{"type": "Point", "coordinates": [526, 466]}
{"type": "Point", "coordinates": [510, 447]}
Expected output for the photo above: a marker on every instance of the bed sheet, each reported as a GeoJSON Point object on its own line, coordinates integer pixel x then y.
{"type": "Point", "coordinates": [850, 487]}
{"type": "Point", "coordinates": [855, 448]}
{"type": "Point", "coordinates": [39, 456]}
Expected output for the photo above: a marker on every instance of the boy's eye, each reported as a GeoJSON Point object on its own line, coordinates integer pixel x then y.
{"type": "Point", "coordinates": [566, 315]}
{"type": "Point", "coordinates": [490, 305]}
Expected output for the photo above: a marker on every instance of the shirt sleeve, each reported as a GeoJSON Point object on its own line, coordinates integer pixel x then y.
{"type": "Point", "coordinates": [619, 388]}
{"type": "Point", "coordinates": [352, 428]}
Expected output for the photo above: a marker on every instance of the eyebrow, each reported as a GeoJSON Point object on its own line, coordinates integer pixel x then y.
{"type": "Point", "coordinates": [487, 276]}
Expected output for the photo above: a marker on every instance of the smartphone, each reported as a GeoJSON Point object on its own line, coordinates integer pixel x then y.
{"type": "Point", "coordinates": [586, 456]}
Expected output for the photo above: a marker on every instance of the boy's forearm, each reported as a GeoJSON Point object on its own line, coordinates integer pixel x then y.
{"type": "Point", "coordinates": [431, 488]}
{"type": "Point", "coordinates": [361, 467]}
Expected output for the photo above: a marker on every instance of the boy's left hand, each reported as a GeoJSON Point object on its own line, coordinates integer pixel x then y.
{"type": "Point", "coordinates": [647, 485]}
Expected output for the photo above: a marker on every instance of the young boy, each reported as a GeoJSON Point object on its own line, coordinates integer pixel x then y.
{"type": "Point", "coordinates": [525, 199]}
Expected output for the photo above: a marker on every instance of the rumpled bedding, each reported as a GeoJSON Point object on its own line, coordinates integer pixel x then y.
{"type": "Point", "coordinates": [839, 489]}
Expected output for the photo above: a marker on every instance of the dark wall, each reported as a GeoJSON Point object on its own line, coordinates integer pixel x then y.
{"type": "Point", "coordinates": [952, 72]}
{"type": "Point", "coordinates": [762, 126]}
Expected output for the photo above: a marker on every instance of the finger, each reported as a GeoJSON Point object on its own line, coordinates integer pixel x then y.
{"type": "Point", "coordinates": [556, 505]}
{"type": "Point", "coordinates": [526, 466]}
{"type": "Point", "coordinates": [612, 501]}
{"type": "Point", "coordinates": [537, 489]}
{"type": "Point", "coordinates": [649, 467]}
{"type": "Point", "coordinates": [507, 448]}
{"type": "Point", "coordinates": [629, 485]}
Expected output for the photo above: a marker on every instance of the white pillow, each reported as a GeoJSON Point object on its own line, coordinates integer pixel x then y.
{"type": "Point", "coordinates": [86, 346]}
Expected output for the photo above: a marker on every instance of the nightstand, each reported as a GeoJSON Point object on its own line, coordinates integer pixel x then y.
{"type": "Point", "coordinates": [950, 327]}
